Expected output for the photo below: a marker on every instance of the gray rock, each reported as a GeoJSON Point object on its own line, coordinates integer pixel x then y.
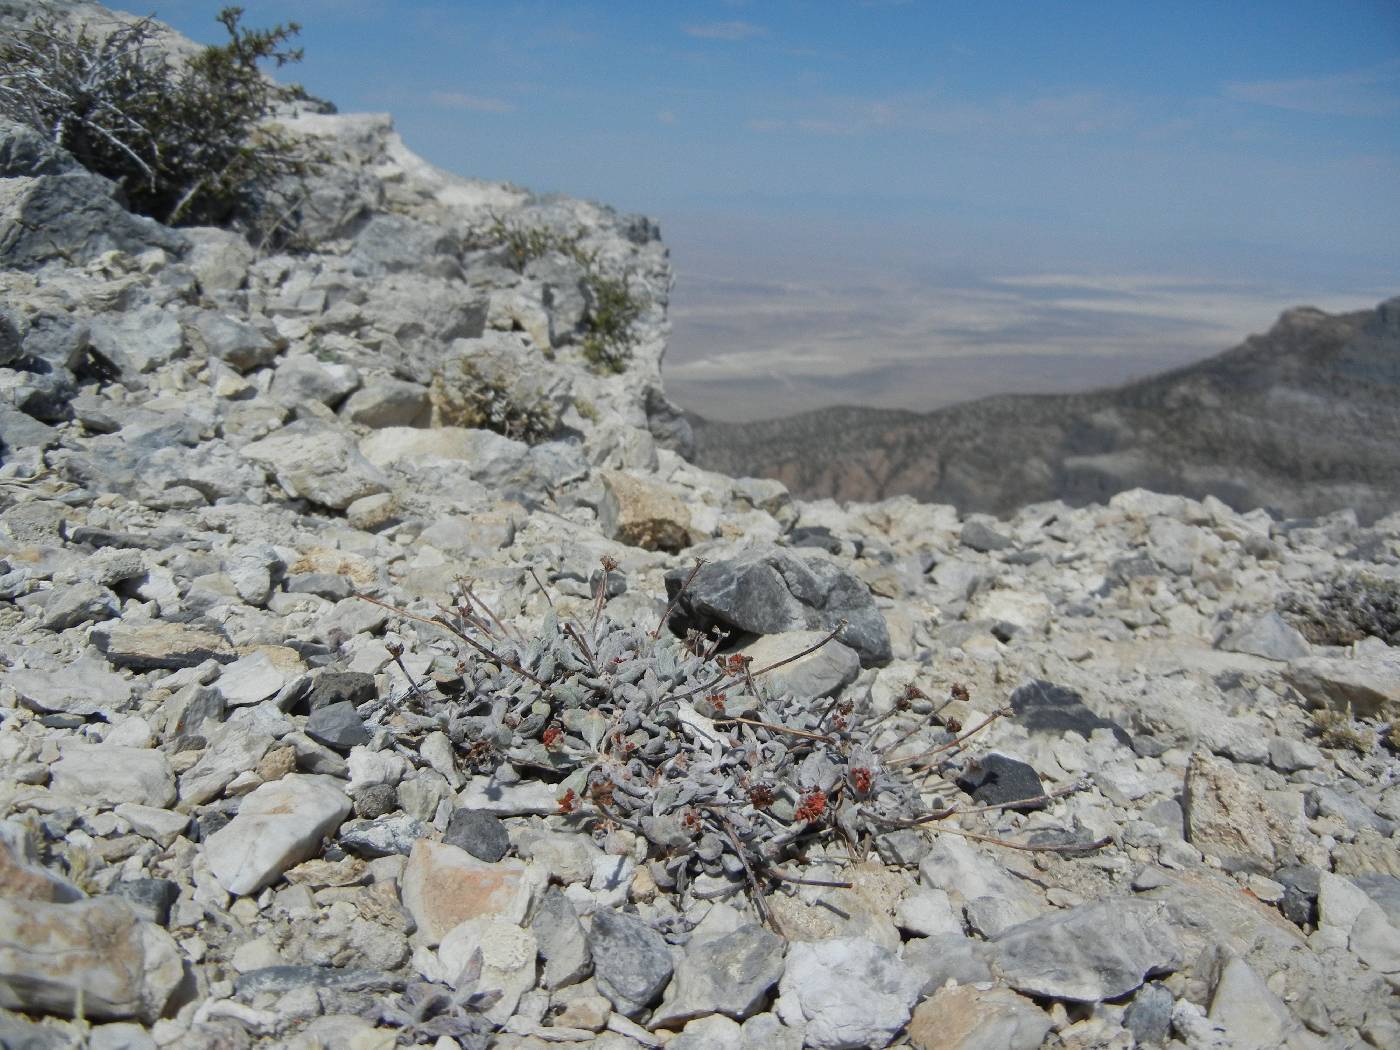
{"type": "Point", "coordinates": [1251, 1015]}
{"type": "Point", "coordinates": [1149, 1015]}
{"type": "Point", "coordinates": [1269, 636]}
{"type": "Point", "coordinates": [970, 1018]}
{"type": "Point", "coordinates": [277, 826]}
{"type": "Point", "coordinates": [91, 955]}
{"type": "Point", "coordinates": [387, 402]}
{"type": "Point", "coordinates": [110, 775]}
{"type": "Point", "coordinates": [219, 259]}
{"type": "Point", "coordinates": [234, 341]}
{"type": "Point", "coordinates": [947, 957]}
{"type": "Point", "coordinates": [1090, 953]}
{"type": "Point", "coordinates": [731, 975]}
{"type": "Point", "coordinates": [250, 679]}
{"type": "Point", "coordinates": [384, 836]}
{"type": "Point", "coordinates": [83, 687]}
{"type": "Point", "coordinates": [71, 217]}
{"type": "Point", "coordinates": [151, 899]}
{"type": "Point", "coordinates": [235, 749]}
{"type": "Point", "coordinates": [378, 800]}
{"type": "Point", "coordinates": [848, 991]}
{"type": "Point", "coordinates": [74, 604]}
{"type": "Point", "coordinates": [562, 942]}
{"type": "Point", "coordinates": [24, 152]}
{"type": "Point", "coordinates": [333, 687]}
{"type": "Point", "coordinates": [631, 961]}
{"type": "Point", "coordinates": [1227, 817]}
{"type": "Point", "coordinates": [1329, 802]}
{"type": "Point", "coordinates": [1367, 683]}
{"type": "Point", "coordinates": [768, 590]}
{"type": "Point", "coordinates": [317, 462]}
{"type": "Point", "coordinates": [480, 834]}
{"type": "Point", "coordinates": [139, 340]}
{"type": "Point", "coordinates": [981, 537]}
{"type": "Point", "coordinates": [301, 378]}
{"type": "Point", "coordinates": [1289, 756]}
{"type": "Point", "coordinates": [337, 726]}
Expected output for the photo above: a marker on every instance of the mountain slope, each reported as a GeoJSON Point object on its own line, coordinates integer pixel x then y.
{"type": "Point", "coordinates": [1303, 420]}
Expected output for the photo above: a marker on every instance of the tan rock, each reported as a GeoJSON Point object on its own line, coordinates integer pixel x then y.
{"type": "Point", "coordinates": [21, 878]}
{"type": "Point", "coordinates": [93, 957]}
{"type": "Point", "coordinates": [161, 645]}
{"type": "Point", "coordinates": [444, 886]}
{"type": "Point", "coordinates": [643, 514]}
{"type": "Point", "coordinates": [964, 1017]}
{"type": "Point", "coordinates": [1228, 817]}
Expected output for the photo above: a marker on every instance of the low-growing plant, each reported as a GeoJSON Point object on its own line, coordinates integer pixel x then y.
{"type": "Point", "coordinates": [1336, 729]}
{"type": "Point", "coordinates": [683, 745]}
{"type": "Point", "coordinates": [1347, 610]}
{"type": "Point", "coordinates": [525, 243]}
{"type": "Point", "coordinates": [187, 141]}
{"type": "Point", "coordinates": [482, 398]}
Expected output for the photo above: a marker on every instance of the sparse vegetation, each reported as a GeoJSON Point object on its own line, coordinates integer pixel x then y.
{"type": "Point", "coordinates": [481, 397]}
{"type": "Point", "coordinates": [612, 311]}
{"type": "Point", "coordinates": [189, 141]}
{"type": "Point", "coordinates": [1337, 729]}
{"type": "Point", "coordinates": [1349, 609]}
{"type": "Point", "coordinates": [612, 307]}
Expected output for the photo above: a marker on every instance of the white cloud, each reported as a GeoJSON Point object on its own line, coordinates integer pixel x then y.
{"type": "Point", "coordinates": [474, 103]}
{"type": "Point", "coordinates": [725, 30]}
{"type": "Point", "coordinates": [1370, 92]}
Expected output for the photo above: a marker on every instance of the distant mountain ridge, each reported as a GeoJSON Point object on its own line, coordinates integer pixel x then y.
{"type": "Point", "coordinates": [1302, 420]}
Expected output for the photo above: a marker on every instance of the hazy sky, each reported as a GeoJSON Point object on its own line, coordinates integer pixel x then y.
{"type": "Point", "coordinates": [911, 203]}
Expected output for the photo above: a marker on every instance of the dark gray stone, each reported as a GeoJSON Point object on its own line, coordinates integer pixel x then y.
{"type": "Point", "coordinates": [1301, 885]}
{"type": "Point", "coordinates": [73, 217]}
{"type": "Point", "coordinates": [335, 687]}
{"type": "Point", "coordinates": [382, 837]}
{"type": "Point", "coordinates": [152, 898]}
{"type": "Point", "coordinates": [768, 590]}
{"type": "Point", "coordinates": [1149, 1015]}
{"type": "Point", "coordinates": [949, 956]}
{"type": "Point", "coordinates": [376, 801]}
{"type": "Point", "coordinates": [630, 961]}
{"type": "Point", "coordinates": [330, 586]}
{"type": "Point", "coordinates": [26, 153]}
{"type": "Point", "coordinates": [995, 780]}
{"type": "Point", "coordinates": [818, 537]}
{"type": "Point", "coordinates": [338, 726]}
{"type": "Point", "coordinates": [234, 341]}
{"type": "Point", "coordinates": [983, 538]}
{"type": "Point", "coordinates": [1043, 707]}
{"type": "Point", "coordinates": [480, 834]}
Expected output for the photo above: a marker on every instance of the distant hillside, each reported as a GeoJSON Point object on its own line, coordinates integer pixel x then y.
{"type": "Point", "coordinates": [1302, 420]}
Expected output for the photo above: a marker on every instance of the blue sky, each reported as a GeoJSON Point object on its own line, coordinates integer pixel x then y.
{"type": "Point", "coordinates": [911, 203]}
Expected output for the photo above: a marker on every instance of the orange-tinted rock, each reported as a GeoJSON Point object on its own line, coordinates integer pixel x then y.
{"type": "Point", "coordinates": [444, 885]}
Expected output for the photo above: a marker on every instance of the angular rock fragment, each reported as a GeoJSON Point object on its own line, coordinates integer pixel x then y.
{"type": "Point", "coordinates": [443, 886]}
{"type": "Point", "coordinates": [277, 826]}
{"type": "Point", "coordinates": [631, 961]}
{"type": "Point", "coordinates": [849, 993]}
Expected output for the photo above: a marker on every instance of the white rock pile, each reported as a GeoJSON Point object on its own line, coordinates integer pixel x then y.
{"type": "Point", "coordinates": [331, 716]}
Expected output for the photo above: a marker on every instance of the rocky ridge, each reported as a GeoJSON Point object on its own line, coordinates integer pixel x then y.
{"type": "Point", "coordinates": [246, 806]}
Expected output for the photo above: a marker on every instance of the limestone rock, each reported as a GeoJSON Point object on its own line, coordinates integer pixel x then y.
{"type": "Point", "coordinates": [443, 886]}
{"type": "Point", "coordinates": [641, 513]}
{"type": "Point", "coordinates": [1228, 817]}
{"type": "Point", "coordinates": [965, 1017]}
{"type": "Point", "coordinates": [277, 826]}
{"type": "Point", "coordinates": [849, 993]}
{"type": "Point", "coordinates": [110, 774]}
{"type": "Point", "coordinates": [317, 462]}
{"type": "Point", "coordinates": [92, 956]}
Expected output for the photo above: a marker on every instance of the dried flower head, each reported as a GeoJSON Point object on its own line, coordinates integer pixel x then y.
{"type": "Point", "coordinates": [568, 802]}
{"type": "Point", "coordinates": [760, 796]}
{"type": "Point", "coordinates": [861, 779]}
{"type": "Point", "coordinates": [959, 692]}
{"type": "Point", "coordinates": [812, 807]}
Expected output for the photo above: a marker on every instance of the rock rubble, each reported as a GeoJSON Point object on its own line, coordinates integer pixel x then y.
{"type": "Point", "coordinates": [326, 721]}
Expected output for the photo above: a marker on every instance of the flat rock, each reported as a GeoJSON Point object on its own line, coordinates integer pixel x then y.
{"type": "Point", "coordinates": [631, 961]}
{"type": "Point", "coordinates": [849, 992]}
{"type": "Point", "coordinates": [443, 886]}
{"type": "Point", "coordinates": [83, 687]}
{"type": "Point", "coordinates": [22, 877]}
{"type": "Point", "coordinates": [730, 974]}
{"type": "Point", "coordinates": [964, 1017]}
{"type": "Point", "coordinates": [109, 774]}
{"type": "Point", "coordinates": [338, 726]}
{"type": "Point", "coordinates": [822, 673]}
{"type": "Point", "coordinates": [1090, 953]}
{"type": "Point", "coordinates": [1269, 636]}
{"type": "Point", "coordinates": [235, 749]}
{"type": "Point", "coordinates": [996, 780]}
{"type": "Point", "coordinates": [1367, 683]}
{"type": "Point", "coordinates": [250, 679]}
{"type": "Point", "coordinates": [507, 959]}
{"type": "Point", "coordinates": [90, 956]}
{"type": "Point", "coordinates": [278, 825]}
{"type": "Point", "coordinates": [161, 645]}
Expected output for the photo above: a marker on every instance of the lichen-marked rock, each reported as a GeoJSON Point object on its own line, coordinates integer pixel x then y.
{"type": "Point", "coordinates": [443, 886]}
{"type": "Point", "coordinates": [92, 958]}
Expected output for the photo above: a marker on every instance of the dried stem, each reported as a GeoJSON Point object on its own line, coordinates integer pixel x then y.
{"type": "Point", "coordinates": [956, 742]}
{"type": "Point", "coordinates": [805, 652]}
{"type": "Point", "coordinates": [543, 590]}
{"type": "Point", "coordinates": [671, 606]}
{"type": "Point", "coordinates": [776, 728]}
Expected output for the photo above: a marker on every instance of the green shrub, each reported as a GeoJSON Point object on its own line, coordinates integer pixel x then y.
{"type": "Point", "coordinates": [612, 310]}
{"type": "Point", "coordinates": [524, 244]}
{"type": "Point", "coordinates": [187, 141]}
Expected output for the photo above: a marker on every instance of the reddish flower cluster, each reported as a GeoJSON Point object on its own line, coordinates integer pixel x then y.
{"type": "Point", "coordinates": [736, 664]}
{"type": "Point", "coordinates": [717, 702]}
{"type": "Point", "coordinates": [691, 821]}
{"type": "Point", "coordinates": [959, 692]}
{"type": "Point", "coordinates": [760, 796]}
{"type": "Point", "coordinates": [551, 736]}
{"type": "Point", "coordinates": [861, 779]}
{"type": "Point", "coordinates": [812, 807]}
{"type": "Point", "coordinates": [568, 802]}
{"type": "Point", "coordinates": [602, 792]}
